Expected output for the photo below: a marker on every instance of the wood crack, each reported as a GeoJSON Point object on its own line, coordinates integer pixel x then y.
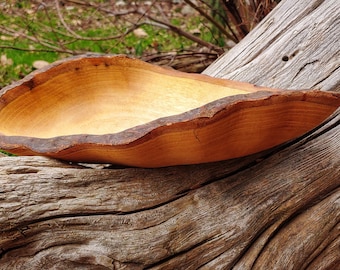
{"type": "Point", "coordinates": [174, 255]}
{"type": "Point", "coordinates": [335, 87]}
{"type": "Point", "coordinates": [304, 67]}
{"type": "Point", "coordinates": [90, 214]}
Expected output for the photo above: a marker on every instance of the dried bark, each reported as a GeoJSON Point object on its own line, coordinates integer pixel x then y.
{"type": "Point", "coordinates": [274, 210]}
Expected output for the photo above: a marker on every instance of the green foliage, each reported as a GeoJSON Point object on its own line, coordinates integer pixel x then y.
{"type": "Point", "coordinates": [6, 153]}
{"type": "Point", "coordinates": [38, 34]}
{"type": "Point", "coordinates": [50, 30]}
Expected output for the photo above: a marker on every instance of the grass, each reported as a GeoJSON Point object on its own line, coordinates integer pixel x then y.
{"type": "Point", "coordinates": [26, 21]}
{"type": "Point", "coordinates": [6, 153]}
{"type": "Point", "coordinates": [21, 61]}
{"type": "Point", "coordinates": [49, 30]}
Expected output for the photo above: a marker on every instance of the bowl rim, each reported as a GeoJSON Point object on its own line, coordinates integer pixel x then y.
{"type": "Point", "coordinates": [198, 117]}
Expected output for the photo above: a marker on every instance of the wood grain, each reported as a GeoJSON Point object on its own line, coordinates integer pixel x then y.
{"type": "Point", "coordinates": [295, 41]}
{"type": "Point", "coordinates": [120, 110]}
{"type": "Point", "coordinates": [155, 218]}
{"type": "Point", "coordinates": [274, 210]}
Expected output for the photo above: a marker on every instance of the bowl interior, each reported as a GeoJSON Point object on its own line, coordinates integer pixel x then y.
{"type": "Point", "coordinates": [101, 97]}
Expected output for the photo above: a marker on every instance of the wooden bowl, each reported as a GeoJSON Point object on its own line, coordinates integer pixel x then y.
{"type": "Point", "coordinates": [114, 109]}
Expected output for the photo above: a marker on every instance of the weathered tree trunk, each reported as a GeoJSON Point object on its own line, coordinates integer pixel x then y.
{"type": "Point", "coordinates": [279, 209]}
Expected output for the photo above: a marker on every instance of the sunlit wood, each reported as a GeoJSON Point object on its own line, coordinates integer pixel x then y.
{"type": "Point", "coordinates": [114, 109]}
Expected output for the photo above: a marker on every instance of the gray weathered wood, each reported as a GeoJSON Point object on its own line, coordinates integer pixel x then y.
{"type": "Point", "coordinates": [274, 210]}
{"type": "Point", "coordinates": [295, 41]}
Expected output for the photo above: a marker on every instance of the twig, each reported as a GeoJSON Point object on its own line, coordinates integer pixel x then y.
{"type": "Point", "coordinates": [223, 17]}
{"type": "Point", "coordinates": [39, 50]}
{"type": "Point", "coordinates": [98, 7]}
{"type": "Point", "coordinates": [235, 17]}
{"type": "Point", "coordinates": [145, 14]}
{"type": "Point", "coordinates": [36, 40]}
{"type": "Point", "coordinates": [52, 29]}
{"type": "Point", "coordinates": [61, 18]}
{"type": "Point", "coordinates": [211, 19]}
{"type": "Point", "coordinates": [185, 34]}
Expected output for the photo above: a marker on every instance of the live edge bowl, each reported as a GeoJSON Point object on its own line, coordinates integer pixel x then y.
{"type": "Point", "coordinates": [119, 110]}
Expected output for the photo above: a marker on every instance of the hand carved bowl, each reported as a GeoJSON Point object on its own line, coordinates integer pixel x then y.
{"type": "Point", "coordinates": [114, 109]}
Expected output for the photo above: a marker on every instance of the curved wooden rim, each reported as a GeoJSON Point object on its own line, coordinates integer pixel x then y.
{"type": "Point", "coordinates": [202, 116]}
{"type": "Point", "coordinates": [42, 75]}
{"type": "Point", "coordinates": [205, 115]}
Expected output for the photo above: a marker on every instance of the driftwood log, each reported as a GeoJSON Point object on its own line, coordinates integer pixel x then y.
{"type": "Point", "coordinates": [279, 209]}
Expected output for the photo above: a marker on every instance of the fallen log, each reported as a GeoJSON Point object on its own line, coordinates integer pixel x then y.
{"type": "Point", "coordinates": [277, 209]}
